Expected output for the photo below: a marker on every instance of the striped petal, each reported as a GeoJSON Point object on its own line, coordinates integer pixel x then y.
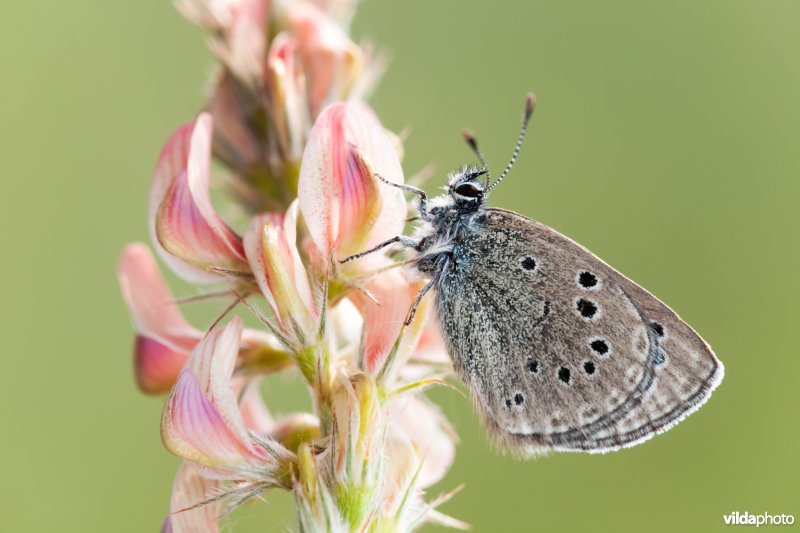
{"type": "Point", "coordinates": [344, 205]}
{"type": "Point", "coordinates": [183, 223]}
{"type": "Point", "coordinates": [190, 489]}
{"type": "Point", "coordinates": [201, 421]}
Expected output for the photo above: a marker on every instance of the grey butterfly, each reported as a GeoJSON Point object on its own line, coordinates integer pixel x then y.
{"type": "Point", "coordinates": [559, 350]}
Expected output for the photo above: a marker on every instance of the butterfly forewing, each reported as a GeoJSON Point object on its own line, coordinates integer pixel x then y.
{"type": "Point", "coordinates": [559, 349]}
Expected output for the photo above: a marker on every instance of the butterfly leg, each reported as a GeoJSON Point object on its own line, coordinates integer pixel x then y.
{"type": "Point", "coordinates": [441, 267]}
{"type": "Point", "coordinates": [422, 207]}
{"type": "Point", "coordinates": [413, 309]}
{"type": "Point", "coordinates": [402, 239]}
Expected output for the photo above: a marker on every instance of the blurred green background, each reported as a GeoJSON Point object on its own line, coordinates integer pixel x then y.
{"type": "Point", "coordinates": [666, 140]}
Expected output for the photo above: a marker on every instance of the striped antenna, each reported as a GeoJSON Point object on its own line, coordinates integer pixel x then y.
{"type": "Point", "coordinates": [530, 104]}
{"type": "Point", "coordinates": [473, 143]}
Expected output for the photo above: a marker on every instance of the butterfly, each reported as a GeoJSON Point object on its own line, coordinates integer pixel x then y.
{"type": "Point", "coordinates": [558, 350]}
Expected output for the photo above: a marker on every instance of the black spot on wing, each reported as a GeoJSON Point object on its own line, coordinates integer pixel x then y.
{"type": "Point", "coordinates": [586, 308]}
{"type": "Point", "coordinates": [587, 280]}
{"type": "Point", "coordinates": [599, 346]}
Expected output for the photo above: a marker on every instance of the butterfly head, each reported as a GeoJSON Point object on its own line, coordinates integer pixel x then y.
{"type": "Point", "coordinates": [466, 188]}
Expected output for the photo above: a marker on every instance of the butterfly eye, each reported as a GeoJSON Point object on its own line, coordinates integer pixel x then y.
{"type": "Point", "coordinates": [468, 190]}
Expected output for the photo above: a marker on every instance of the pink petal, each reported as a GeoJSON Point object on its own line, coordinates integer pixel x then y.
{"type": "Point", "coordinates": [165, 338]}
{"type": "Point", "coordinates": [189, 489]}
{"type": "Point", "coordinates": [332, 61]}
{"type": "Point", "coordinates": [213, 362]}
{"type": "Point", "coordinates": [201, 420]}
{"type": "Point", "coordinates": [182, 220]}
{"type": "Point", "coordinates": [156, 366]}
{"type": "Point", "coordinates": [337, 194]}
{"type": "Point", "coordinates": [193, 429]}
{"type": "Point", "coordinates": [289, 111]}
{"type": "Point", "coordinates": [424, 425]}
{"type": "Point", "coordinates": [399, 472]}
{"type": "Point", "coordinates": [254, 250]}
{"type": "Point", "coordinates": [383, 319]}
{"type": "Point", "coordinates": [361, 203]}
{"type": "Point", "coordinates": [147, 296]}
{"type": "Point", "coordinates": [270, 246]}
{"type": "Point", "coordinates": [298, 269]}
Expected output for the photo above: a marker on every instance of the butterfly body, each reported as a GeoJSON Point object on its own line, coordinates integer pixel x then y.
{"type": "Point", "coordinates": [559, 350]}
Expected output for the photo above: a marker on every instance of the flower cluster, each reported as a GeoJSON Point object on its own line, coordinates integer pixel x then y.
{"type": "Point", "coordinates": [302, 156]}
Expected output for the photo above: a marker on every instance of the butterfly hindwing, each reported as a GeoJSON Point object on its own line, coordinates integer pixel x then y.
{"type": "Point", "coordinates": [560, 350]}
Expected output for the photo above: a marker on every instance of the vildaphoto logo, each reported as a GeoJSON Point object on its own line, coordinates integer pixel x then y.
{"type": "Point", "coordinates": [765, 519]}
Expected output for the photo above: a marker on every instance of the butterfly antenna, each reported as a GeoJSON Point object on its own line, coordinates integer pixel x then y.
{"type": "Point", "coordinates": [530, 104]}
{"type": "Point", "coordinates": [473, 143]}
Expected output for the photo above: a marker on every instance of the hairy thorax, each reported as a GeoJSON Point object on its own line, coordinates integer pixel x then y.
{"type": "Point", "coordinates": [446, 226]}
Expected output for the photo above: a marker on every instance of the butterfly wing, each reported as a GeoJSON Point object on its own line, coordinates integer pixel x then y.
{"type": "Point", "coordinates": [560, 350]}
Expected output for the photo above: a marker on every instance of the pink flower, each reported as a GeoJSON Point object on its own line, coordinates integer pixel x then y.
{"type": "Point", "coordinates": [345, 206]}
{"type": "Point", "coordinates": [202, 422]}
{"type": "Point", "coordinates": [195, 242]}
{"type": "Point", "coordinates": [285, 121]}
{"type": "Point", "coordinates": [332, 61]}
{"type": "Point", "coordinates": [164, 338]}
{"type": "Point", "coordinates": [271, 249]}
{"type": "Point", "coordinates": [239, 30]}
